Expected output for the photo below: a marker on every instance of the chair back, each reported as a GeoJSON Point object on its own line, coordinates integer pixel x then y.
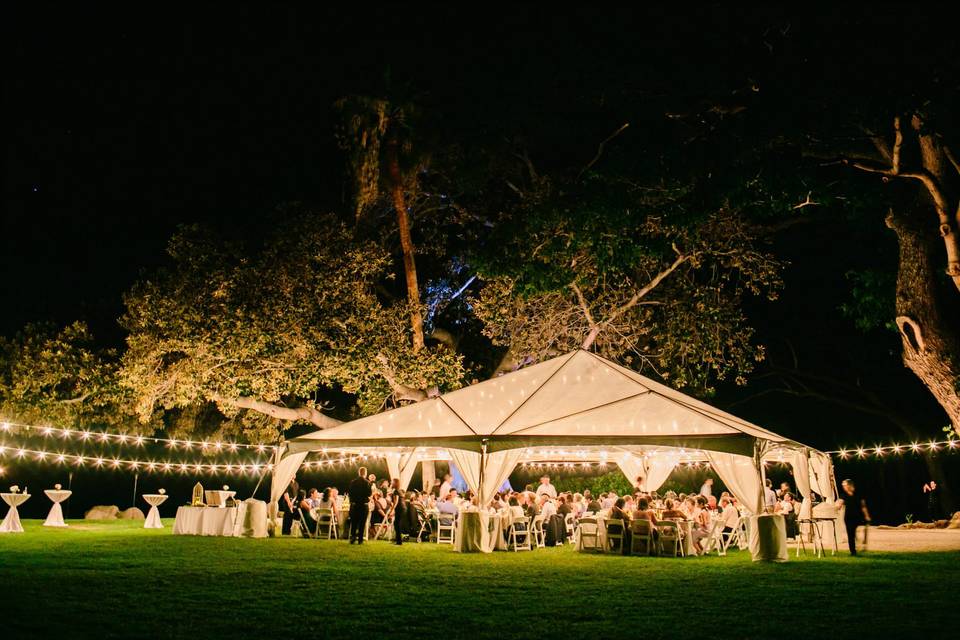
{"type": "Point", "coordinates": [669, 529]}
{"type": "Point", "coordinates": [614, 522]}
{"type": "Point", "coordinates": [641, 527]}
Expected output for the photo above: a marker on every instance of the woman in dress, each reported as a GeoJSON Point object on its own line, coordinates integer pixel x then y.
{"type": "Point", "coordinates": [398, 508]}
{"type": "Point", "coordinates": [701, 524]}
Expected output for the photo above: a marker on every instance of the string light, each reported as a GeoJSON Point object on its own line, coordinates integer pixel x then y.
{"type": "Point", "coordinates": [881, 450]}
{"type": "Point", "coordinates": [39, 455]}
{"type": "Point", "coordinates": [126, 439]}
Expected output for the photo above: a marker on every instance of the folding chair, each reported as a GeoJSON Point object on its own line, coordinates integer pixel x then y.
{"type": "Point", "coordinates": [425, 525]}
{"type": "Point", "coordinates": [589, 533]}
{"type": "Point", "coordinates": [641, 532]}
{"type": "Point", "coordinates": [740, 538]}
{"type": "Point", "coordinates": [714, 539]}
{"type": "Point", "coordinates": [520, 534]}
{"type": "Point", "coordinates": [671, 535]}
{"type": "Point", "coordinates": [569, 522]}
{"type": "Point", "coordinates": [326, 525]}
{"type": "Point", "coordinates": [446, 526]}
{"type": "Point", "coordinates": [539, 535]}
{"type": "Point", "coordinates": [614, 539]}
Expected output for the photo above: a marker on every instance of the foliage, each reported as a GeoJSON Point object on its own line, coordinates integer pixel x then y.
{"type": "Point", "coordinates": [610, 481]}
{"type": "Point", "coordinates": [872, 299]}
{"type": "Point", "coordinates": [281, 323]}
{"type": "Point", "coordinates": [661, 281]}
{"type": "Point", "coordinates": [60, 376]}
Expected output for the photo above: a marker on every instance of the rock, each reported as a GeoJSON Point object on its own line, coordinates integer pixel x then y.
{"type": "Point", "coordinates": [101, 512]}
{"type": "Point", "coordinates": [131, 514]}
{"type": "Point", "coordinates": [954, 521]}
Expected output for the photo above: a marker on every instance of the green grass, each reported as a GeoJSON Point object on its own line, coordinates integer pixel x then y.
{"type": "Point", "coordinates": [119, 580]}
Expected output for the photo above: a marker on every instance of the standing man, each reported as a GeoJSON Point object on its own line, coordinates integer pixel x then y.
{"type": "Point", "coordinates": [546, 488]}
{"type": "Point", "coordinates": [359, 493]}
{"type": "Point", "coordinates": [854, 513]}
{"type": "Point", "coordinates": [707, 489]}
{"type": "Point", "coordinates": [288, 503]}
{"type": "Point", "coordinates": [769, 496]}
{"type": "Point", "coordinates": [445, 487]}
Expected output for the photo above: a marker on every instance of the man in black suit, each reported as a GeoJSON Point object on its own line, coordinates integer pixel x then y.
{"type": "Point", "coordinates": [359, 492]}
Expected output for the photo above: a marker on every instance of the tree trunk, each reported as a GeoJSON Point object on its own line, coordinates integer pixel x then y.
{"type": "Point", "coordinates": [406, 242]}
{"type": "Point", "coordinates": [926, 314]}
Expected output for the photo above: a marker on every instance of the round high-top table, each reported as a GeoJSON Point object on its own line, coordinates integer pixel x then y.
{"type": "Point", "coordinates": [11, 524]}
{"type": "Point", "coordinates": [55, 517]}
{"type": "Point", "coordinates": [153, 518]}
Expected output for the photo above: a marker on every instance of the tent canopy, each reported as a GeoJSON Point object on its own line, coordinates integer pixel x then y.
{"type": "Point", "coordinates": [576, 403]}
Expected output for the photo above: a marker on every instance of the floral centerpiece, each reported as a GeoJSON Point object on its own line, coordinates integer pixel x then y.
{"type": "Point", "coordinates": [162, 492]}
{"type": "Point", "coordinates": [58, 486]}
{"type": "Point", "coordinates": [14, 489]}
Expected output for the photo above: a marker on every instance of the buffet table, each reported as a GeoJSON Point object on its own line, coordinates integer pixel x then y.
{"type": "Point", "coordinates": [206, 521]}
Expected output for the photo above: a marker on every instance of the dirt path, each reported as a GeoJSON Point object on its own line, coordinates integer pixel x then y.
{"type": "Point", "coordinates": [914, 539]}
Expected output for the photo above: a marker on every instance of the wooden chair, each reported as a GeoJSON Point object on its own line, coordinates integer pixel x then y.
{"type": "Point", "coordinates": [569, 522]}
{"type": "Point", "coordinates": [539, 535]}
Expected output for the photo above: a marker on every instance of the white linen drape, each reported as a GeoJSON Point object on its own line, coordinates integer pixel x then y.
{"type": "Point", "coordinates": [403, 465]}
{"type": "Point", "coordinates": [468, 462]}
{"type": "Point", "coordinates": [283, 473]}
{"type": "Point", "coordinates": [496, 469]}
{"type": "Point", "coordinates": [801, 472]}
{"type": "Point", "coordinates": [821, 479]}
{"type": "Point", "coordinates": [658, 470]}
{"type": "Point", "coordinates": [740, 476]}
{"type": "Point", "coordinates": [632, 466]}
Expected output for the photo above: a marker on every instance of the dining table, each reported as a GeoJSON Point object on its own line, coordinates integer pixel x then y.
{"type": "Point", "coordinates": [55, 517]}
{"type": "Point", "coordinates": [11, 523]}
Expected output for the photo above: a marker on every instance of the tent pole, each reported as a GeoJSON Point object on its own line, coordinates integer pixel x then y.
{"type": "Point", "coordinates": [483, 461]}
{"type": "Point", "coordinates": [758, 460]}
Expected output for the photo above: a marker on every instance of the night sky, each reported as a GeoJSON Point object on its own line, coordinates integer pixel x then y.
{"type": "Point", "coordinates": [120, 127]}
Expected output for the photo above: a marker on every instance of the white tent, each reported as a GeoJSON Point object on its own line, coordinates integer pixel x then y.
{"type": "Point", "coordinates": [577, 406]}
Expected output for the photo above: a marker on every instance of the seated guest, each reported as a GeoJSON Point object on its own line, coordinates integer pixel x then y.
{"type": "Point", "coordinates": [548, 508]}
{"type": "Point", "coordinates": [593, 505]}
{"type": "Point", "coordinates": [609, 500]}
{"type": "Point", "coordinates": [644, 512]}
{"type": "Point", "coordinates": [712, 503]}
{"type": "Point", "coordinates": [564, 507]}
{"type": "Point", "coordinates": [689, 507]}
{"type": "Point", "coordinates": [629, 505]}
{"type": "Point", "coordinates": [701, 524]}
{"type": "Point", "coordinates": [379, 510]}
{"type": "Point", "coordinates": [788, 509]}
{"type": "Point", "coordinates": [530, 509]}
{"type": "Point", "coordinates": [670, 511]}
{"type": "Point", "coordinates": [617, 513]}
{"type": "Point", "coordinates": [448, 505]}
{"type": "Point", "coordinates": [516, 511]}
{"type": "Point", "coordinates": [307, 506]}
{"type": "Point", "coordinates": [729, 517]}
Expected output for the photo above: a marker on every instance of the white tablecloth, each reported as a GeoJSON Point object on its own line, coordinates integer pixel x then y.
{"type": "Point", "coordinates": [768, 538]}
{"type": "Point", "coordinates": [11, 524]}
{"type": "Point", "coordinates": [153, 520]}
{"type": "Point", "coordinates": [218, 497]}
{"type": "Point", "coordinates": [472, 534]}
{"type": "Point", "coordinates": [55, 517]}
{"type": "Point", "coordinates": [252, 519]}
{"type": "Point", "coordinates": [205, 521]}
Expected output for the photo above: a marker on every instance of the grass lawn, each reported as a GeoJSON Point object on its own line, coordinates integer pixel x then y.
{"type": "Point", "coordinates": [119, 580]}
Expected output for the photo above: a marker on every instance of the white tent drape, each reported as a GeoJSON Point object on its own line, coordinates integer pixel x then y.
{"type": "Point", "coordinates": [468, 462]}
{"type": "Point", "coordinates": [497, 467]}
{"type": "Point", "coordinates": [283, 473]}
{"type": "Point", "coordinates": [801, 472]}
{"type": "Point", "coordinates": [632, 466]}
{"type": "Point", "coordinates": [658, 470]}
{"type": "Point", "coordinates": [821, 480]}
{"type": "Point", "coordinates": [403, 465]}
{"type": "Point", "coordinates": [740, 476]}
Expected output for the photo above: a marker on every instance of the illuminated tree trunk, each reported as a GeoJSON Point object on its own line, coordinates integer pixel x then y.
{"type": "Point", "coordinates": [406, 242]}
{"type": "Point", "coordinates": [927, 314]}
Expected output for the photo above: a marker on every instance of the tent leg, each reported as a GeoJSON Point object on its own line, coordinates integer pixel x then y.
{"type": "Point", "coordinates": [429, 472]}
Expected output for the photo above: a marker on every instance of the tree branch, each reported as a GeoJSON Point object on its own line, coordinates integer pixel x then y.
{"type": "Point", "coordinates": [401, 391]}
{"type": "Point", "coordinates": [307, 414]}
{"type": "Point", "coordinates": [601, 147]}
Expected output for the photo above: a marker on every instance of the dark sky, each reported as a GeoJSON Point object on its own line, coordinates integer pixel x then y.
{"type": "Point", "coordinates": [122, 125]}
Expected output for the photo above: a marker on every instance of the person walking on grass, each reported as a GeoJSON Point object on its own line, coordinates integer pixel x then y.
{"type": "Point", "coordinates": [359, 493]}
{"type": "Point", "coordinates": [855, 512]}
{"type": "Point", "coordinates": [399, 510]}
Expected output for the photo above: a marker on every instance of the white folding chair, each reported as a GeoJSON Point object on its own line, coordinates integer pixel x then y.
{"type": "Point", "coordinates": [326, 525]}
{"type": "Point", "coordinates": [671, 535]}
{"type": "Point", "coordinates": [446, 527]}
{"type": "Point", "coordinates": [589, 533]}
{"type": "Point", "coordinates": [641, 533]}
{"type": "Point", "coordinates": [539, 535]}
{"type": "Point", "coordinates": [614, 539]}
{"type": "Point", "coordinates": [714, 539]}
{"type": "Point", "coordinates": [520, 534]}
{"type": "Point", "coordinates": [569, 522]}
